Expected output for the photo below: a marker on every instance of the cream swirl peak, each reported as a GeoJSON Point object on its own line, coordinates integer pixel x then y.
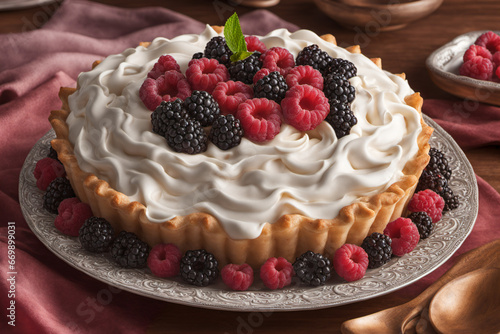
{"type": "Point", "coordinates": [309, 173]}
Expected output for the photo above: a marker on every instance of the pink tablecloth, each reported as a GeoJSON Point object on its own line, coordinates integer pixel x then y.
{"type": "Point", "coordinates": [51, 296]}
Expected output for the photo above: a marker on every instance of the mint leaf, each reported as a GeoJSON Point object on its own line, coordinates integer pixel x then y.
{"type": "Point", "coordinates": [234, 36]}
{"type": "Point", "coordinates": [240, 55]}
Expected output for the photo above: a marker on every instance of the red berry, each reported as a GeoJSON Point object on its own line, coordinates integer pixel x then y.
{"type": "Point", "coordinates": [46, 171]}
{"type": "Point", "coordinates": [237, 276]}
{"type": "Point", "coordinates": [477, 68]}
{"type": "Point", "coordinates": [164, 260]}
{"type": "Point", "coordinates": [167, 87]}
{"type": "Point", "coordinates": [477, 51]}
{"type": "Point", "coordinates": [304, 75]}
{"type": "Point", "coordinates": [276, 273]}
{"type": "Point", "coordinates": [305, 107]}
{"type": "Point", "coordinates": [164, 64]}
{"type": "Point", "coordinates": [489, 40]}
{"type": "Point", "coordinates": [350, 262]}
{"type": "Point", "coordinates": [498, 72]}
{"type": "Point", "coordinates": [496, 59]}
{"type": "Point", "coordinates": [429, 202]}
{"type": "Point", "coordinates": [204, 74]}
{"type": "Point", "coordinates": [230, 94]}
{"type": "Point", "coordinates": [71, 215]}
{"type": "Point", "coordinates": [278, 59]}
{"type": "Point", "coordinates": [404, 235]}
{"type": "Point", "coordinates": [255, 44]}
{"type": "Point", "coordinates": [260, 119]}
{"type": "Point", "coordinates": [260, 74]}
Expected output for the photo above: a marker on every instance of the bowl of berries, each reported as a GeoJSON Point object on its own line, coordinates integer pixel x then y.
{"type": "Point", "coordinates": [469, 66]}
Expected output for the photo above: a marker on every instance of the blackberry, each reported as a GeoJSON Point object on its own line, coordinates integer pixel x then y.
{"type": "Point", "coordinates": [197, 55]}
{"type": "Point", "coordinates": [226, 132]}
{"type": "Point", "coordinates": [423, 223]}
{"type": "Point", "coordinates": [339, 89]}
{"type": "Point", "coordinates": [451, 201]}
{"type": "Point", "coordinates": [244, 70]}
{"type": "Point", "coordinates": [199, 267]}
{"type": "Point", "coordinates": [313, 56]}
{"type": "Point", "coordinates": [52, 153]}
{"type": "Point", "coordinates": [129, 251]}
{"type": "Point", "coordinates": [341, 118]}
{"type": "Point", "coordinates": [312, 268]}
{"type": "Point", "coordinates": [166, 114]}
{"type": "Point", "coordinates": [187, 136]}
{"type": "Point", "coordinates": [432, 181]}
{"type": "Point", "coordinates": [272, 87]}
{"type": "Point", "coordinates": [343, 68]}
{"type": "Point", "coordinates": [438, 163]}
{"type": "Point", "coordinates": [202, 107]}
{"type": "Point", "coordinates": [57, 191]}
{"type": "Point", "coordinates": [379, 250]}
{"type": "Point", "coordinates": [96, 235]}
{"type": "Point", "coordinates": [217, 48]}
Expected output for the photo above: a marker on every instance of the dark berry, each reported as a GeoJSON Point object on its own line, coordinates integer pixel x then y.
{"type": "Point", "coordinates": [438, 164]}
{"type": "Point", "coordinates": [187, 136]}
{"type": "Point", "coordinates": [217, 48]}
{"type": "Point", "coordinates": [378, 248]}
{"type": "Point", "coordinates": [339, 89]}
{"type": "Point", "coordinates": [244, 70]}
{"type": "Point", "coordinates": [341, 118]}
{"type": "Point", "coordinates": [313, 56]}
{"type": "Point", "coordinates": [202, 107]}
{"type": "Point", "coordinates": [129, 251]}
{"type": "Point", "coordinates": [272, 87]}
{"type": "Point", "coordinates": [451, 201]}
{"type": "Point", "coordinates": [199, 267]}
{"type": "Point", "coordinates": [197, 55]}
{"type": "Point", "coordinates": [52, 153]}
{"type": "Point", "coordinates": [166, 114]}
{"type": "Point", "coordinates": [343, 68]}
{"type": "Point", "coordinates": [433, 181]}
{"type": "Point", "coordinates": [96, 235]}
{"type": "Point", "coordinates": [312, 268]}
{"type": "Point", "coordinates": [423, 223]}
{"type": "Point", "coordinates": [57, 191]}
{"type": "Point", "coordinates": [226, 132]}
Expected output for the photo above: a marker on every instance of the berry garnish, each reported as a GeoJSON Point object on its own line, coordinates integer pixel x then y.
{"type": "Point", "coordinates": [129, 251]}
{"type": "Point", "coordinates": [272, 87]}
{"type": "Point", "coordinates": [96, 235]}
{"type": "Point", "coordinates": [261, 74]}
{"type": "Point", "coordinates": [312, 268]}
{"type": "Point", "coordinates": [423, 223]}
{"type": "Point", "coordinates": [226, 132]}
{"type": "Point", "coordinates": [255, 44]}
{"type": "Point", "coordinates": [338, 89]}
{"type": "Point", "coordinates": [71, 215]}
{"type": "Point", "coordinates": [46, 170]}
{"type": "Point", "coordinates": [477, 68]}
{"type": "Point", "coordinates": [313, 56]}
{"type": "Point", "coordinates": [260, 119]}
{"type": "Point", "coordinates": [204, 74]}
{"type": "Point", "coordinates": [199, 267]}
{"type": "Point", "coordinates": [379, 250]}
{"type": "Point", "coordinates": [433, 180]}
{"type": "Point", "coordinates": [341, 118]}
{"type": "Point", "coordinates": [477, 51]}
{"type": "Point", "coordinates": [57, 191]}
{"type": "Point", "coordinates": [217, 49]}
{"type": "Point", "coordinates": [230, 94]}
{"type": "Point", "coordinates": [187, 136]}
{"type": "Point", "coordinates": [168, 87]}
{"type": "Point", "coordinates": [451, 201]}
{"type": "Point", "coordinates": [438, 164]}
{"type": "Point", "coordinates": [490, 41]}
{"type": "Point", "coordinates": [164, 64]}
{"type": "Point", "coordinates": [244, 70]}
{"type": "Point", "coordinates": [278, 59]}
{"type": "Point", "coordinates": [343, 68]}
{"type": "Point", "coordinates": [164, 260]}
{"type": "Point", "coordinates": [237, 277]}
{"type": "Point", "coordinates": [304, 107]}
{"type": "Point", "coordinates": [202, 107]}
{"type": "Point", "coordinates": [276, 273]}
{"type": "Point", "coordinates": [52, 153]}
{"type": "Point", "coordinates": [166, 114]}
{"type": "Point", "coordinates": [304, 75]}
{"type": "Point", "coordinates": [404, 235]}
{"type": "Point", "coordinates": [429, 202]}
{"type": "Point", "coordinates": [496, 60]}
{"type": "Point", "coordinates": [350, 262]}
{"type": "Point", "coordinates": [197, 55]}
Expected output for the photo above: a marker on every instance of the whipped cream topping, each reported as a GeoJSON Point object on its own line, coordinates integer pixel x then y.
{"type": "Point", "coordinates": [310, 173]}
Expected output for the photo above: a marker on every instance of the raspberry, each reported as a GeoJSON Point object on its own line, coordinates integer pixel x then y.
{"type": "Point", "coordinates": [312, 55]}
{"type": "Point", "coordinates": [379, 250]}
{"type": "Point", "coordinates": [260, 119]}
{"type": "Point", "coordinates": [260, 74]}
{"type": "Point", "coordinates": [57, 191]}
{"type": "Point", "coordinates": [276, 273]}
{"type": "Point", "coordinates": [202, 107]}
{"type": "Point", "coordinates": [305, 107]}
{"type": "Point", "coordinates": [339, 89]}
{"type": "Point", "coordinates": [166, 114]}
{"type": "Point", "coordinates": [167, 87]}
{"type": "Point", "coordinates": [46, 170]}
{"type": "Point", "coordinates": [187, 136]}
{"type": "Point", "coordinates": [164, 64]}
{"type": "Point", "coordinates": [423, 223]}
{"type": "Point", "coordinates": [404, 235]}
{"type": "Point", "coordinates": [343, 68]}
{"type": "Point", "coordinates": [272, 87]}
{"type": "Point", "coordinates": [341, 118]}
{"type": "Point", "coordinates": [496, 60]}
{"type": "Point", "coordinates": [217, 49]}
{"type": "Point", "coordinates": [438, 164]}
{"type": "Point", "coordinates": [278, 59]}
{"type": "Point", "coordinates": [96, 235]}
{"type": "Point", "coordinates": [350, 262]}
{"type": "Point", "coordinates": [304, 75]}
{"type": "Point", "coordinates": [72, 215]}
{"type": "Point", "coordinates": [477, 68]}
{"type": "Point", "coordinates": [204, 74]}
{"type": "Point", "coordinates": [497, 72]}
{"type": "Point", "coordinates": [129, 251]}
{"type": "Point", "coordinates": [164, 260]}
{"type": "Point", "coordinates": [199, 267]}
{"type": "Point", "coordinates": [230, 94]}
{"type": "Point", "coordinates": [244, 70]}
{"type": "Point", "coordinates": [429, 202]}
{"type": "Point", "coordinates": [477, 51]}
{"type": "Point", "coordinates": [226, 132]}
{"type": "Point", "coordinates": [237, 277]}
{"type": "Point", "coordinates": [490, 41]}
{"type": "Point", "coordinates": [255, 44]}
{"type": "Point", "coordinates": [312, 268]}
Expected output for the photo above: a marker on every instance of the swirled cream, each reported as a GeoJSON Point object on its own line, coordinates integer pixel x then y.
{"type": "Point", "coordinates": [310, 173]}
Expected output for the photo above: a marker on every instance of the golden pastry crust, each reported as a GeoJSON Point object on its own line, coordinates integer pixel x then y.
{"type": "Point", "coordinates": [288, 237]}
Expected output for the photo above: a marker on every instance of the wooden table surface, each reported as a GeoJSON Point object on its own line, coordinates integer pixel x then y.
{"type": "Point", "coordinates": [403, 50]}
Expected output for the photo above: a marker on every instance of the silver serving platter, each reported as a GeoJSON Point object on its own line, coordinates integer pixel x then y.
{"type": "Point", "coordinates": [429, 254]}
